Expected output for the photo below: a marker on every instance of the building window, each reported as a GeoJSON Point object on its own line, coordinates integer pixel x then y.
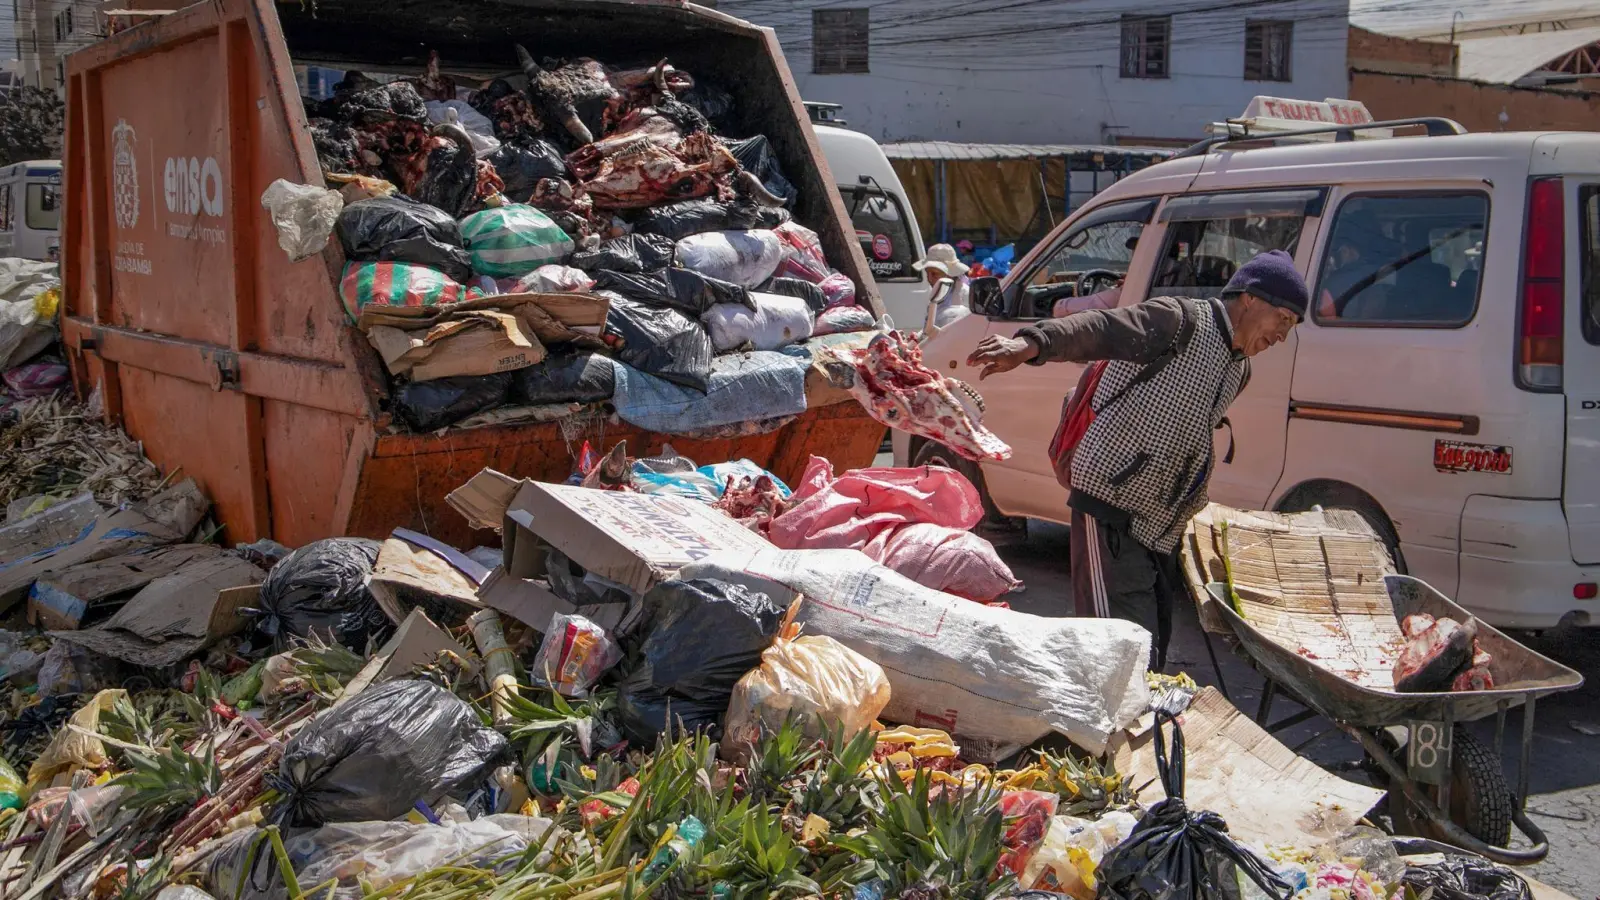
{"type": "Point", "coordinates": [1146, 46]}
{"type": "Point", "coordinates": [61, 74]}
{"type": "Point", "coordinates": [1266, 50]}
{"type": "Point", "coordinates": [839, 41]}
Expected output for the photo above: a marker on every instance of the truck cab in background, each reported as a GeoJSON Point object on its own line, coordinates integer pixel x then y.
{"type": "Point", "coordinates": [30, 209]}
{"type": "Point", "coordinates": [880, 212]}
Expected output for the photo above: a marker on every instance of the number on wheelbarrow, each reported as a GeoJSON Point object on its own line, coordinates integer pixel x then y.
{"type": "Point", "coordinates": [1480, 799]}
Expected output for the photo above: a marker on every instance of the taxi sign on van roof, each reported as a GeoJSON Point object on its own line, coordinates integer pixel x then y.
{"type": "Point", "coordinates": [1271, 115]}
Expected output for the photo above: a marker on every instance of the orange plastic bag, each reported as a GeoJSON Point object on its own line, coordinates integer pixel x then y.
{"type": "Point", "coordinates": [818, 679]}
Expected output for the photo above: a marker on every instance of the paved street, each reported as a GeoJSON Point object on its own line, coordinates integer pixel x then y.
{"type": "Point", "coordinates": [1565, 778]}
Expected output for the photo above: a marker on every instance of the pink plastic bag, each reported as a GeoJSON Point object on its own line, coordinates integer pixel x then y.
{"type": "Point", "coordinates": [36, 379]}
{"type": "Point", "coordinates": [914, 521]}
{"type": "Point", "coordinates": [802, 254]}
{"type": "Point", "coordinates": [948, 559]}
{"type": "Point", "coordinates": [860, 506]}
{"type": "Point", "coordinates": [838, 290]}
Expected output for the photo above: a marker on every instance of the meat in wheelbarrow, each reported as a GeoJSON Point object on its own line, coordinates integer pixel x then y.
{"type": "Point", "coordinates": [1435, 652]}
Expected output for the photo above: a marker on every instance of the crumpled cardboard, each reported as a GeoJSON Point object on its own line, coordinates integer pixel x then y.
{"type": "Point", "coordinates": [1265, 792]}
{"type": "Point", "coordinates": [480, 342]}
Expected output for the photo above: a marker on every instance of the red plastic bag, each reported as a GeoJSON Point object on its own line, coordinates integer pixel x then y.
{"type": "Point", "coordinates": [1027, 818]}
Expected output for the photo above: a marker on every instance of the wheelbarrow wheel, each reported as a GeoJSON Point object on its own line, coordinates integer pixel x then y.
{"type": "Point", "coordinates": [1480, 799]}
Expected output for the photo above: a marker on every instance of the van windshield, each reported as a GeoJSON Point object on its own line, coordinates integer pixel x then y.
{"type": "Point", "coordinates": [44, 207]}
{"type": "Point", "coordinates": [881, 227]}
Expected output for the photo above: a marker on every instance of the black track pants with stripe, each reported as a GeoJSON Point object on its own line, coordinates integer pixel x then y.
{"type": "Point", "coordinates": [1115, 575]}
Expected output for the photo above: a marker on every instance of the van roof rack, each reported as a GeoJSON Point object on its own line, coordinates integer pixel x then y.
{"type": "Point", "coordinates": [824, 113]}
{"type": "Point", "coordinates": [1435, 126]}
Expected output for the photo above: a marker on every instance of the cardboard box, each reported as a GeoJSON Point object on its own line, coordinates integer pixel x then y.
{"type": "Point", "coordinates": [636, 540]}
{"type": "Point", "coordinates": [482, 342]}
{"type": "Point", "coordinates": [1264, 791]}
{"type": "Point", "coordinates": [533, 603]}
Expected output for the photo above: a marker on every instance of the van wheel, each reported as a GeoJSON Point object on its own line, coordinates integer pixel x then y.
{"type": "Point", "coordinates": [932, 453]}
{"type": "Point", "coordinates": [1336, 495]}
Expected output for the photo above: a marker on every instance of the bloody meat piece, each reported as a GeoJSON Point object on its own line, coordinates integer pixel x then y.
{"type": "Point", "coordinates": [752, 502]}
{"type": "Point", "coordinates": [1476, 678]}
{"type": "Point", "coordinates": [1435, 652]}
{"type": "Point", "coordinates": [889, 380]}
{"type": "Point", "coordinates": [432, 84]}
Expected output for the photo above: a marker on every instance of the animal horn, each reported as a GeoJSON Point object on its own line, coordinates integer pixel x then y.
{"type": "Point", "coordinates": [454, 132]}
{"type": "Point", "coordinates": [575, 127]}
{"type": "Point", "coordinates": [660, 75]}
{"type": "Point", "coordinates": [525, 59]}
{"type": "Point", "coordinates": [753, 186]}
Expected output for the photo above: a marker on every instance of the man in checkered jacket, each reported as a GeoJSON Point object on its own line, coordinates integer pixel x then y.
{"type": "Point", "coordinates": [1140, 471]}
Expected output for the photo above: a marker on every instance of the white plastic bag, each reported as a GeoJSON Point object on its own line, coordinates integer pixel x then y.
{"type": "Point", "coordinates": [552, 279]}
{"type": "Point", "coordinates": [304, 215]}
{"type": "Point", "coordinates": [742, 257]}
{"type": "Point", "coordinates": [817, 679]}
{"type": "Point", "coordinates": [777, 321]}
{"type": "Point", "coordinates": [479, 129]}
{"type": "Point", "coordinates": [971, 670]}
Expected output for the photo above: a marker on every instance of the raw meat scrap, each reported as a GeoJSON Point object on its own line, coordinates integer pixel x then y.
{"type": "Point", "coordinates": [1435, 651]}
{"type": "Point", "coordinates": [891, 383]}
{"type": "Point", "coordinates": [752, 502]}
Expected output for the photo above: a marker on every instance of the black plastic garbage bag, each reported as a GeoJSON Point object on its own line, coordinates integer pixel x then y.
{"type": "Point", "coordinates": [1175, 854]}
{"type": "Point", "coordinates": [399, 229]}
{"type": "Point", "coordinates": [713, 101]}
{"type": "Point", "coordinates": [567, 377]}
{"type": "Point", "coordinates": [756, 157]}
{"type": "Point", "coordinates": [803, 290]}
{"type": "Point", "coordinates": [690, 217]}
{"type": "Point", "coordinates": [1468, 878]}
{"type": "Point", "coordinates": [321, 589]}
{"type": "Point", "coordinates": [431, 405]}
{"type": "Point", "coordinates": [682, 289]}
{"type": "Point", "coordinates": [659, 341]}
{"type": "Point", "coordinates": [629, 253]}
{"type": "Point", "coordinates": [521, 166]}
{"type": "Point", "coordinates": [377, 755]}
{"type": "Point", "coordinates": [698, 639]}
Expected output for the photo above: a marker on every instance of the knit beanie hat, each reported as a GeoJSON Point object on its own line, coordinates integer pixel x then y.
{"type": "Point", "coordinates": [1272, 277]}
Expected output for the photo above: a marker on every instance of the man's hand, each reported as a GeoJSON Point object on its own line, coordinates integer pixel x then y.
{"type": "Point", "coordinates": [999, 354]}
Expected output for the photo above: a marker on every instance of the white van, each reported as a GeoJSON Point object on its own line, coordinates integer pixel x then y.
{"type": "Point", "coordinates": [885, 224]}
{"type": "Point", "coordinates": [30, 209]}
{"type": "Point", "coordinates": [1446, 383]}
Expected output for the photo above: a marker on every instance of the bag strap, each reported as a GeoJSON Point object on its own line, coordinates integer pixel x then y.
{"type": "Point", "coordinates": [1180, 343]}
{"type": "Point", "coordinates": [1170, 768]}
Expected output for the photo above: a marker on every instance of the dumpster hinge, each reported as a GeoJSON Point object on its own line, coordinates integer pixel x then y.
{"type": "Point", "coordinates": [227, 373]}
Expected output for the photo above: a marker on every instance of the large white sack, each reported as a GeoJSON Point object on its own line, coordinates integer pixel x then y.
{"type": "Point", "coordinates": [777, 321]}
{"type": "Point", "coordinates": [742, 257]}
{"type": "Point", "coordinates": [973, 670]}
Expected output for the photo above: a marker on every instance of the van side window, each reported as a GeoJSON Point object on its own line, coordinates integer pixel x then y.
{"type": "Point", "coordinates": [1589, 262]}
{"type": "Point", "coordinates": [1087, 264]}
{"type": "Point", "coordinates": [1403, 260]}
{"type": "Point", "coordinates": [1210, 236]}
{"type": "Point", "coordinates": [5, 208]}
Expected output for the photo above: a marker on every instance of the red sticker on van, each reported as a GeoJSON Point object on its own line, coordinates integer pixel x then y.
{"type": "Point", "coordinates": [881, 248]}
{"type": "Point", "coordinates": [1457, 456]}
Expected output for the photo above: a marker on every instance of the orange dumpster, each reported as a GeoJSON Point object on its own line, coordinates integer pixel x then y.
{"type": "Point", "coordinates": [238, 366]}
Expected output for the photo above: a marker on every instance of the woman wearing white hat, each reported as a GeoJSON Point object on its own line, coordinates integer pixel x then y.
{"type": "Point", "coordinates": [951, 290]}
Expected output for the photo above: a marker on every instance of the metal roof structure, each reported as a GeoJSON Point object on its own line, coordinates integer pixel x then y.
{"type": "Point", "coordinates": [1510, 58]}
{"type": "Point", "coordinates": [951, 150]}
{"type": "Point", "coordinates": [1428, 19]}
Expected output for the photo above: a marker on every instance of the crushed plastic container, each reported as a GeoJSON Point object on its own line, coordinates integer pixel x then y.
{"type": "Point", "coordinates": [228, 360]}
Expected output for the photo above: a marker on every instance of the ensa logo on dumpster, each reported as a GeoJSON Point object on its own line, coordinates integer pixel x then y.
{"type": "Point", "coordinates": [193, 185]}
{"type": "Point", "coordinates": [1456, 456]}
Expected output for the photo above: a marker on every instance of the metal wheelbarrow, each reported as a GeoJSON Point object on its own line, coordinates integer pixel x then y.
{"type": "Point", "coordinates": [1454, 787]}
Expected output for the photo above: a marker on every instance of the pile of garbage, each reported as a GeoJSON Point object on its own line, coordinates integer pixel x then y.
{"type": "Point", "coordinates": [580, 238]}
{"type": "Point", "coordinates": [637, 694]}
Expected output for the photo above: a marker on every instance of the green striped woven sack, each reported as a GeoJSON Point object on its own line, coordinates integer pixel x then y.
{"type": "Point", "coordinates": [396, 284]}
{"type": "Point", "coordinates": [513, 240]}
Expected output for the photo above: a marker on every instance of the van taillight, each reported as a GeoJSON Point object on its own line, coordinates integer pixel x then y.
{"type": "Point", "coordinates": [1543, 287]}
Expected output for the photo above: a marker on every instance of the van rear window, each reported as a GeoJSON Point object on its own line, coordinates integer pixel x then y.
{"type": "Point", "coordinates": [1589, 263]}
{"type": "Point", "coordinates": [880, 224]}
{"type": "Point", "coordinates": [1403, 260]}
